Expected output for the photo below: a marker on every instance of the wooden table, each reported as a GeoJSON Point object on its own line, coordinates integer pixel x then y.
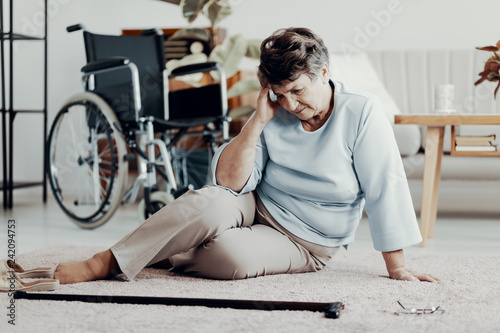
{"type": "Point", "coordinates": [433, 153]}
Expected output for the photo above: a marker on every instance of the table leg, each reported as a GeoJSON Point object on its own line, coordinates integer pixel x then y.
{"type": "Point", "coordinates": [432, 175]}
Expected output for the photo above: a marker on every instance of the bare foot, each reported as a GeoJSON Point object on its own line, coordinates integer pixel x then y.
{"type": "Point", "coordinates": [100, 266]}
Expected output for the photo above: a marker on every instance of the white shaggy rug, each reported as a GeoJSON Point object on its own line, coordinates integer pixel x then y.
{"type": "Point", "coordinates": [469, 293]}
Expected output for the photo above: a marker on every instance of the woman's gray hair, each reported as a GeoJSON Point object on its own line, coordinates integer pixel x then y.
{"type": "Point", "coordinates": [288, 53]}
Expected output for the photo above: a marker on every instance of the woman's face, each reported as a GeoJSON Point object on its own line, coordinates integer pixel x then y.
{"type": "Point", "coordinates": [305, 98]}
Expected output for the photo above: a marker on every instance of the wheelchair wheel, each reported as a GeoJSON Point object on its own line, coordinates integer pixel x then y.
{"type": "Point", "coordinates": [86, 169]}
{"type": "Point", "coordinates": [158, 199]}
{"type": "Point", "coordinates": [192, 159]}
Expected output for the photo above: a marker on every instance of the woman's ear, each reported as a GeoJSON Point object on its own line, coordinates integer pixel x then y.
{"type": "Point", "coordinates": [325, 77]}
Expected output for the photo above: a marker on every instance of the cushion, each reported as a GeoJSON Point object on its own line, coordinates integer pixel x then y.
{"type": "Point", "coordinates": [356, 71]}
{"type": "Point", "coordinates": [408, 138]}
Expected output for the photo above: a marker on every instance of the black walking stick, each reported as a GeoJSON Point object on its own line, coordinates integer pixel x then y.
{"type": "Point", "coordinates": [331, 310]}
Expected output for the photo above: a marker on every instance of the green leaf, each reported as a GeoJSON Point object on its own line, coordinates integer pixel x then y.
{"type": "Point", "coordinates": [192, 8]}
{"type": "Point", "coordinates": [230, 53]}
{"type": "Point", "coordinates": [243, 87]}
{"type": "Point", "coordinates": [217, 10]}
{"type": "Point", "coordinates": [253, 49]}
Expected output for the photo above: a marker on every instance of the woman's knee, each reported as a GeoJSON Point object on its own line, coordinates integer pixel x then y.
{"type": "Point", "coordinates": [221, 258]}
{"type": "Point", "coordinates": [213, 205]}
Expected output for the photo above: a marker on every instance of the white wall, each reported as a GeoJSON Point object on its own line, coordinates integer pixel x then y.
{"type": "Point", "coordinates": [343, 24]}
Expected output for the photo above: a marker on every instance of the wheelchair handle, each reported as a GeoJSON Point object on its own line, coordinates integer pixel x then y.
{"type": "Point", "coordinates": [75, 27]}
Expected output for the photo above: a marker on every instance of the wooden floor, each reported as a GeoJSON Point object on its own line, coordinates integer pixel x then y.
{"type": "Point", "coordinates": [40, 225]}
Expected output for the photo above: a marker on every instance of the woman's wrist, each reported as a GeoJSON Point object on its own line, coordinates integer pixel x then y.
{"type": "Point", "coordinates": [258, 122]}
{"type": "Point", "coordinates": [394, 261]}
{"type": "Point", "coordinates": [396, 272]}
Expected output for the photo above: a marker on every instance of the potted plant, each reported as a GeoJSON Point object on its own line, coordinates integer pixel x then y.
{"type": "Point", "coordinates": [491, 70]}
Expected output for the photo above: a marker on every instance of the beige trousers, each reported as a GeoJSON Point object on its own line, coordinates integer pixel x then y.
{"type": "Point", "coordinates": [215, 234]}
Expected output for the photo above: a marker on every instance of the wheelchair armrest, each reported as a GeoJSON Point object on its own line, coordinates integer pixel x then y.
{"type": "Point", "coordinates": [196, 68]}
{"type": "Point", "coordinates": [107, 63]}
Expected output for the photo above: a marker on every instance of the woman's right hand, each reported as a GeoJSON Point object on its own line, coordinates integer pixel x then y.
{"type": "Point", "coordinates": [266, 108]}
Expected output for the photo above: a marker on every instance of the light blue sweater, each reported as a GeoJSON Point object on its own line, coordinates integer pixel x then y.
{"type": "Point", "coordinates": [315, 184]}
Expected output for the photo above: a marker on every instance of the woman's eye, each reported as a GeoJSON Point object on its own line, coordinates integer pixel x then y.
{"type": "Point", "coordinates": [297, 91]}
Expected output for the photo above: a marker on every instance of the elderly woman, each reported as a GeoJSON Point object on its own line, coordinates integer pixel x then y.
{"type": "Point", "coordinates": [289, 189]}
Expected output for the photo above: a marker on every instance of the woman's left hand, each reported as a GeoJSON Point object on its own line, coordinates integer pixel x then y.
{"type": "Point", "coordinates": [395, 263]}
{"type": "Point", "coordinates": [408, 275]}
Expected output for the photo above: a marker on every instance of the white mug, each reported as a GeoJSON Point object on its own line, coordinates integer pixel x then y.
{"type": "Point", "coordinates": [444, 98]}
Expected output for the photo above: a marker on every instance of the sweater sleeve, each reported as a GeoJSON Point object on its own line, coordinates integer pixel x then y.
{"type": "Point", "coordinates": [260, 161]}
{"type": "Point", "coordinates": [378, 165]}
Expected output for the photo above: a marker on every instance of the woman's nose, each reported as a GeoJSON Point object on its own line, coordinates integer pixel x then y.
{"type": "Point", "coordinates": [289, 103]}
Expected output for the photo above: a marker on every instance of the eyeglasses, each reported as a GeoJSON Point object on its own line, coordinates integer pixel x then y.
{"type": "Point", "coordinates": [420, 311]}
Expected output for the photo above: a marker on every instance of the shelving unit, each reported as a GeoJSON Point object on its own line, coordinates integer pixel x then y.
{"type": "Point", "coordinates": [468, 153]}
{"type": "Point", "coordinates": [9, 112]}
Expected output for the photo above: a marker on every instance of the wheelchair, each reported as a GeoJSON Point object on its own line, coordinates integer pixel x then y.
{"type": "Point", "coordinates": [127, 114]}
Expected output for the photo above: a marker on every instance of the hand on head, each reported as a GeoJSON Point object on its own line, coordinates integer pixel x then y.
{"type": "Point", "coordinates": [266, 108]}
